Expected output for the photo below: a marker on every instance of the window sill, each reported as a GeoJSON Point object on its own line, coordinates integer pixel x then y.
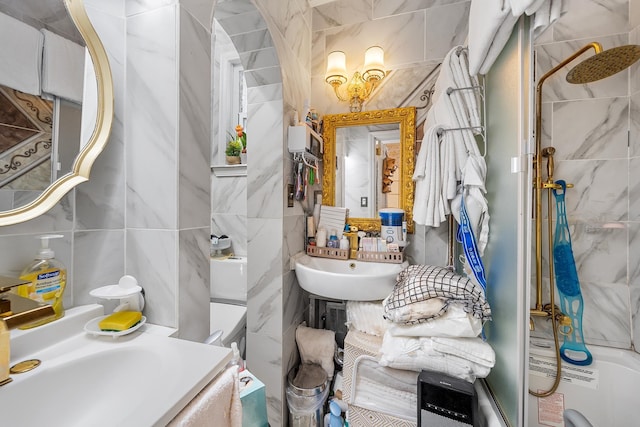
{"type": "Point", "coordinates": [229, 170]}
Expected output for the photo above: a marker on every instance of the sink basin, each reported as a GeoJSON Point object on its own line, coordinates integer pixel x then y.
{"type": "Point", "coordinates": [140, 379]}
{"type": "Point", "coordinates": [347, 279]}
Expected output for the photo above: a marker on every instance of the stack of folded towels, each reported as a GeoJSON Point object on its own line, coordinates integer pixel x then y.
{"type": "Point", "coordinates": [434, 319]}
{"type": "Point", "coordinates": [431, 320]}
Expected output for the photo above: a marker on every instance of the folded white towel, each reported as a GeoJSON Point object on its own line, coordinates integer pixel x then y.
{"type": "Point", "coordinates": [332, 218]}
{"type": "Point", "coordinates": [454, 323]}
{"type": "Point", "coordinates": [218, 404]}
{"type": "Point", "coordinates": [418, 283]}
{"type": "Point", "coordinates": [473, 349]}
{"type": "Point", "coordinates": [20, 55]}
{"type": "Point", "coordinates": [416, 354]}
{"type": "Point", "coordinates": [367, 317]}
{"type": "Point", "coordinates": [383, 389]}
{"type": "Point", "coordinates": [416, 311]}
{"type": "Point", "coordinates": [62, 67]}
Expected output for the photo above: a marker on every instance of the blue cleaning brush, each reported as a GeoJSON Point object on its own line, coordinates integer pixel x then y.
{"type": "Point", "coordinates": [573, 349]}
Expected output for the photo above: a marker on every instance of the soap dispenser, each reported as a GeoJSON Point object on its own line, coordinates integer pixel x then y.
{"type": "Point", "coordinates": [48, 278]}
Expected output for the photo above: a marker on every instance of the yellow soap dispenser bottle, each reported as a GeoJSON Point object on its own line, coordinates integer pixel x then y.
{"type": "Point", "coordinates": [48, 278]}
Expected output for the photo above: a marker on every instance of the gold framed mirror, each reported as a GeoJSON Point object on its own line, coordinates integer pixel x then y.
{"type": "Point", "coordinates": [97, 141]}
{"type": "Point", "coordinates": [368, 159]}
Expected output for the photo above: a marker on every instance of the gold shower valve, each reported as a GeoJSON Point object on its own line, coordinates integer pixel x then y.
{"type": "Point", "coordinates": [564, 320]}
{"type": "Point", "coordinates": [554, 186]}
{"type": "Point", "coordinates": [565, 326]}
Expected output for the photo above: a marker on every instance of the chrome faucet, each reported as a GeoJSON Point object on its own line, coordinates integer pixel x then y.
{"type": "Point", "coordinates": [15, 311]}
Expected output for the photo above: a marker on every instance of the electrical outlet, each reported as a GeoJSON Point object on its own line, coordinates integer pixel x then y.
{"type": "Point", "coordinates": [290, 195]}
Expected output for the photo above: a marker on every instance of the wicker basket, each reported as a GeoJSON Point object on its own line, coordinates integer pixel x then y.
{"type": "Point", "coordinates": [389, 257]}
{"type": "Point", "coordinates": [328, 252]}
{"type": "Point", "coordinates": [357, 344]}
{"type": "Point", "coordinates": [361, 417]}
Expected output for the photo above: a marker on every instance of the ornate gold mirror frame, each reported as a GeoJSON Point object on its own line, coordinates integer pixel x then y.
{"type": "Point", "coordinates": [406, 118]}
{"type": "Point", "coordinates": [104, 118]}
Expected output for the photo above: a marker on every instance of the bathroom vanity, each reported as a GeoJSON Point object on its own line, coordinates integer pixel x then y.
{"type": "Point", "coordinates": [100, 380]}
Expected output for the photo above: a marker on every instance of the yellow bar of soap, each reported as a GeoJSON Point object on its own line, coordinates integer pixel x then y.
{"type": "Point", "coordinates": [120, 321]}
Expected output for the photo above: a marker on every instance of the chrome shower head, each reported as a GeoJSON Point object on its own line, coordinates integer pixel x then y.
{"type": "Point", "coordinates": [604, 64]}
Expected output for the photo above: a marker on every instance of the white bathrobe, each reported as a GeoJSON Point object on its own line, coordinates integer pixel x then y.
{"type": "Point", "coordinates": [446, 148]}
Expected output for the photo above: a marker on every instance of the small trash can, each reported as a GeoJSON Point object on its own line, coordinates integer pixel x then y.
{"type": "Point", "coordinates": [307, 390]}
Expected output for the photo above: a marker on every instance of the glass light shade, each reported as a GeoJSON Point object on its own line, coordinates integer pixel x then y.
{"type": "Point", "coordinates": [336, 68]}
{"type": "Point", "coordinates": [374, 64]}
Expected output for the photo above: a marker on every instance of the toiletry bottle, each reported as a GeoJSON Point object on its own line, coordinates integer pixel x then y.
{"type": "Point", "coordinates": [333, 240]}
{"type": "Point", "coordinates": [344, 242]}
{"type": "Point", "coordinates": [335, 415]}
{"type": "Point", "coordinates": [404, 233]}
{"type": "Point", "coordinates": [236, 360]}
{"type": "Point", "coordinates": [321, 238]}
{"type": "Point", "coordinates": [48, 278]}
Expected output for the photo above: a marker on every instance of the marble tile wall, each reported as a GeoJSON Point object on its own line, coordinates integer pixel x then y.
{"type": "Point", "coordinates": [229, 194]}
{"type": "Point", "coordinates": [277, 78]}
{"type": "Point", "coordinates": [415, 35]}
{"type": "Point", "coordinates": [594, 130]}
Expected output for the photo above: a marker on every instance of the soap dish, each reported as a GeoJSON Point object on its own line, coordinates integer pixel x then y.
{"type": "Point", "coordinates": [92, 327]}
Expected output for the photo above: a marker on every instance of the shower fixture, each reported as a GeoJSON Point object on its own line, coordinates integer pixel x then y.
{"type": "Point", "coordinates": [599, 66]}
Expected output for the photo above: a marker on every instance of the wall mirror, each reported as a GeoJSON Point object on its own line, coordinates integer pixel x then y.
{"type": "Point", "coordinates": [96, 120]}
{"type": "Point", "coordinates": [368, 164]}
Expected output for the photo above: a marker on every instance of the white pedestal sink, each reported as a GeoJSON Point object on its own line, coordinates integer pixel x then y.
{"type": "Point", "coordinates": [349, 280]}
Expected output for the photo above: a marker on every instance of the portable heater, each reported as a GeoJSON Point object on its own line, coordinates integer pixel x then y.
{"type": "Point", "coordinates": [446, 401]}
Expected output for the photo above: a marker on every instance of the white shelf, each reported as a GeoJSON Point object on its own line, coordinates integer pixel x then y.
{"type": "Point", "coordinates": [229, 170]}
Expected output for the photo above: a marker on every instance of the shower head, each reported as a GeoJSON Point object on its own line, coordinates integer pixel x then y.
{"type": "Point", "coordinates": [604, 64]}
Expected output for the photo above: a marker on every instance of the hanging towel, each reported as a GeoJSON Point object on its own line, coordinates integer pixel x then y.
{"type": "Point", "coordinates": [448, 141]}
{"type": "Point", "coordinates": [490, 25]}
{"type": "Point", "coordinates": [518, 7]}
{"type": "Point", "coordinates": [428, 206]}
{"type": "Point", "coordinates": [62, 67]}
{"type": "Point", "coordinates": [218, 404]}
{"type": "Point", "coordinates": [548, 12]}
{"type": "Point", "coordinates": [20, 55]}
{"type": "Point", "coordinates": [473, 189]}
{"type": "Point", "coordinates": [465, 79]}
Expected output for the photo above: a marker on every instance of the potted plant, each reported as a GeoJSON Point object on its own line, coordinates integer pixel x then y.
{"type": "Point", "coordinates": [242, 137]}
{"type": "Point", "coordinates": [233, 150]}
{"type": "Point", "coordinates": [236, 150]}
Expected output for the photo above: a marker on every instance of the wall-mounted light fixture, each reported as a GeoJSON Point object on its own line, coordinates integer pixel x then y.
{"type": "Point", "coordinates": [361, 85]}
